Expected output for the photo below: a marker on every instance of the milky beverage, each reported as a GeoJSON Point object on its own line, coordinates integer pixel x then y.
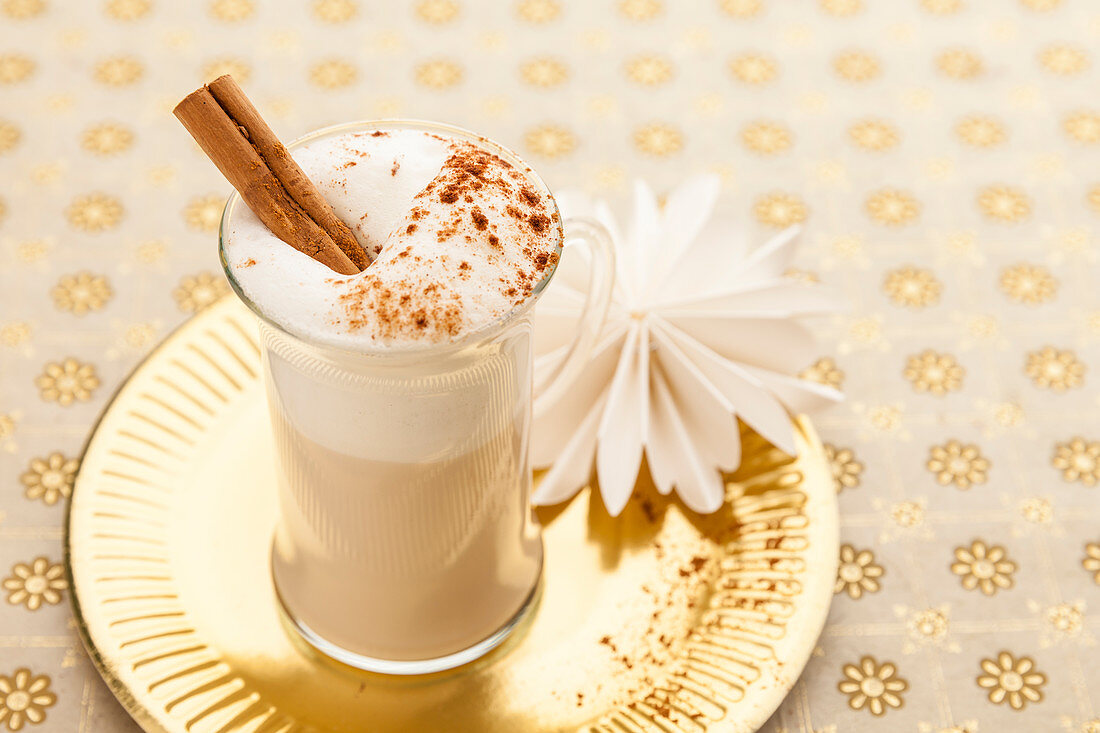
{"type": "Point", "coordinates": [400, 396]}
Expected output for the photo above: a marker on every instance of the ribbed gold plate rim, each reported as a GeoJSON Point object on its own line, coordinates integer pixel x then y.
{"type": "Point", "coordinates": [658, 620]}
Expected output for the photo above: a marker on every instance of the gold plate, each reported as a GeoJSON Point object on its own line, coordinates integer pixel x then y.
{"type": "Point", "coordinates": [659, 620]}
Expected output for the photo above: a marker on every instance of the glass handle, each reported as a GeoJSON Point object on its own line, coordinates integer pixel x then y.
{"type": "Point", "coordinates": [594, 237]}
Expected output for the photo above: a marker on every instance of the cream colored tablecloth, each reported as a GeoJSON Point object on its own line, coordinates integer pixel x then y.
{"type": "Point", "coordinates": [944, 155]}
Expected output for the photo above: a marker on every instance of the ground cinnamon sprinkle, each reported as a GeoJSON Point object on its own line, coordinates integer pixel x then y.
{"type": "Point", "coordinates": [539, 222]}
{"type": "Point", "coordinates": [481, 222]}
{"type": "Point", "coordinates": [465, 207]}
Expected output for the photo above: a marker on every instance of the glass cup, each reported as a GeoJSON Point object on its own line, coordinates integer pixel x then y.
{"type": "Point", "coordinates": [406, 542]}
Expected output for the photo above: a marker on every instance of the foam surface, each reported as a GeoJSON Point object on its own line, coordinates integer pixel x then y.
{"type": "Point", "coordinates": [460, 238]}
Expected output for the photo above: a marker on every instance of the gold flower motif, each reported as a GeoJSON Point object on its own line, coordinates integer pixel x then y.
{"type": "Point", "coordinates": [856, 66]}
{"type": "Point", "coordinates": [15, 68]}
{"type": "Point", "coordinates": [959, 464]}
{"type": "Point", "coordinates": [1063, 59]}
{"type": "Point", "coordinates": [138, 336]}
{"type": "Point", "coordinates": [741, 8]}
{"type": "Point", "coordinates": [841, 8]}
{"type": "Point", "coordinates": [1078, 460]}
{"type": "Point", "coordinates": [984, 567]}
{"type": "Point", "coordinates": [195, 292]}
{"type": "Point", "coordinates": [33, 250]}
{"type": "Point", "coordinates": [22, 9]}
{"type": "Point", "coordinates": [7, 426]}
{"type": "Point", "coordinates": [1050, 368]}
{"type": "Point", "coordinates": [550, 141]}
{"type": "Point", "coordinates": [1082, 126]}
{"type": "Point", "coordinates": [873, 135]}
{"type": "Point", "coordinates": [927, 625]}
{"type": "Point", "coordinates": [1094, 197]}
{"type": "Point", "coordinates": [1042, 6]}
{"type": "Point", "coordinates": [539, 11]}
{"type": "Point", "coordinates": [768, 138]}
{"type": "Point", "coordinates": [754, 69]}
{"type": "Point", "coordinates": [1031, 284]}
{"type": "Point", "coordinates": [845, 468]}
{"type": "Point", "coordinates": [238, 69]}
{"type": "Point", "coordinates": [9, 136]}
{"type": "Point", "coordinates": [128, 9]}
{"type": "Point", "coordinates": [942, 7]}
{"type": "Point", "coordinates": [1091, 561]}
{"type": "Point", "coordinates": [824, 371]}
{"type": "Point", "coordinates": [94, 212]}
{"type": "Point", "coordinates": [658, 138]}
{"type": "Point", "coordinates": [438, 74]}
{"type": "Point", "coordinates": [867, 330]}
{"type": "Point", "coordinates": [24, 698]}
{"type": "Point", "coordinates": [232, 11]}
{"type": "Point", "coordinates": [119, 71]}
{"type": "Point", "coordinates": [648, 70]}
{"type": "Point", "coordinates": [332, 74]}
{"type": "Point", "coordinates": [806, 277]}
{"type": "Point", "coordinates": [872, 686]}
{"type": "Point", "coordinates": [1037, 511]}
{"type": "Point", "coordinates": [15, 333]}
{"type": "Point", "coordinates": [81, 293]}
{"type": "Point", "coordinates": [982, 132]}
{"type": "Point", "coordinates": [50, 478]}
{"type": "Point", "coordinates": [544, 72]}
{"type": "Point", "coordinates": [33, 584]}
{"type": "Point", "coordinates": [892, 207]}
{"type": "Point", "coordinates": [959, 63]}
{"type": "Point", "coordinates": [779, 210]}
{"type": "Point", "coordinates": [334, 11]}
{"type": "Point", "coordinates": [204, 213]}
{"type": "Point", "coordinates": [1065, 618]}
{"type": "Point", "coordinates": [437, 11]}
{"type": "Point", "coordinates": [106, 139]}
{"type": "Point", "coordinates": [933, 372]}
{"type": "Point", "coordinates": [67, 381]}
{"type": "Point", "coordinates": [640, 9]}
{"type": "Point", "coordinates": [857, 573]}
{"type": "Point", "coordinates": [1004, 203]}
{"type": "Point", "coordinates": [912, 287]}
{"type": "Point", "coordinates": [1011, 680]}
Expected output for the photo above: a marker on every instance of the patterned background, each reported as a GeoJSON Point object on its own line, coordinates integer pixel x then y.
{"type": "Point", "coordinates": [944, 154]}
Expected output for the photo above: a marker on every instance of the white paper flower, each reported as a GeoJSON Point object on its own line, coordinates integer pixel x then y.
{"type": "Point", "coordinates": [700, 332]}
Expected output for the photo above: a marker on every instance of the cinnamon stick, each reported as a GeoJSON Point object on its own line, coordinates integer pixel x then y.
{"type": "Point", "coordinates": [233, 135]}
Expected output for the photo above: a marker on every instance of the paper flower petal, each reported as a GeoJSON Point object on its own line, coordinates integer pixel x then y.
{"type": "Point", "coordinates": [556, 424]}
{"type": "Point", "coordinates": [622, 430]}
{"type": "Point", "coordinates": [779, 345]}
{"type": "Point", "coordinates": [637, 247]}
{"type": "Point", "coordinates": [744, 394]}
{"type": "Point", "coordinates": [699, 335]}
{"type": "Point", "coordinates": [773, 258]}
{"type": "Point", "coordinates": [702, 407]}
{"type": "Point", "coordinates": [674, 459]}
{"type": "Point", "coordinates": [778, 298]}
{"type": "Point", "coordinates": [687, 210]}
{"type": "Point", "coordinates": [799, 395]}
{"type": "Point", "coordinates": [574, 465]}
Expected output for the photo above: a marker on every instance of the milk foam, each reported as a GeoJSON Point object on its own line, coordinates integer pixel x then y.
{"type": "Point", "coordinates": [459, 238]}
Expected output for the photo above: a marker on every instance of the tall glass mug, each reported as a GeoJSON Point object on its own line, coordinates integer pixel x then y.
{"type": "Point", "coordinates": [406, 543]}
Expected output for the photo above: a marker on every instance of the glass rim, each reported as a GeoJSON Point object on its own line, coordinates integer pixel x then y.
{"type": "Point", "coordinates": [479, 335]}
